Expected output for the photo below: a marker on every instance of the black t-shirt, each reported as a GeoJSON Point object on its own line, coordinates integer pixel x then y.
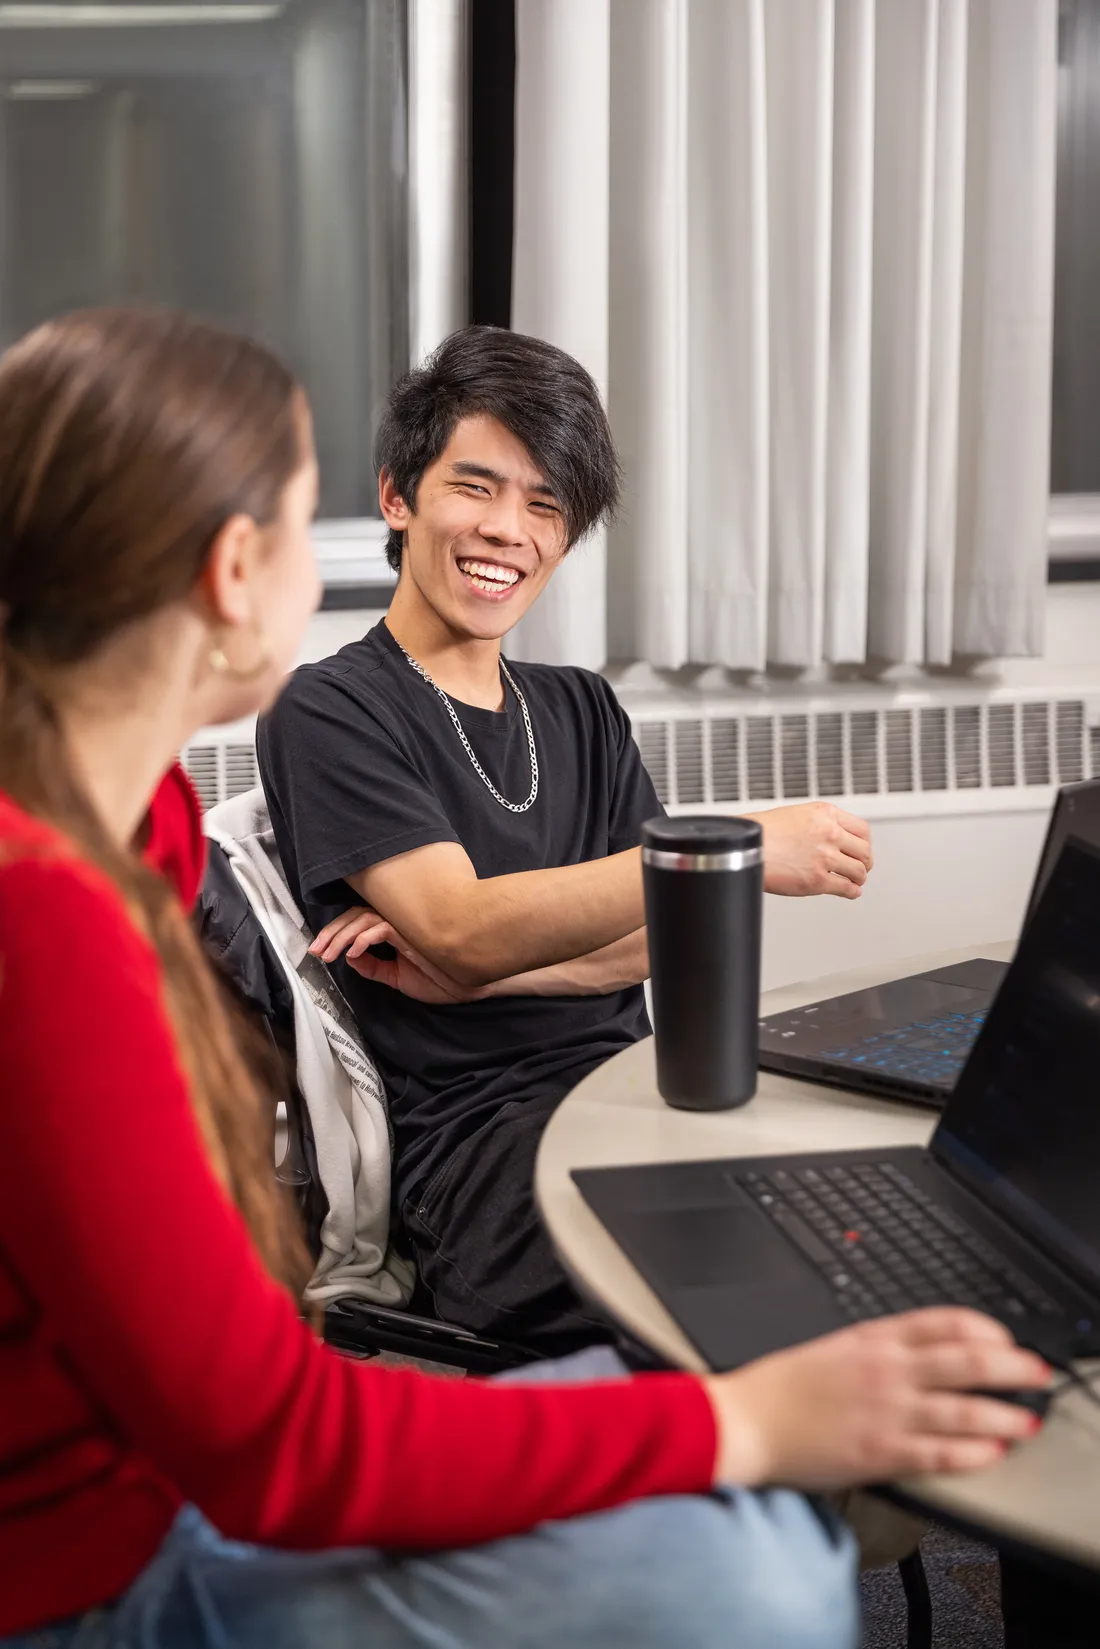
{"type": "Point", "coordinates": [360, 762]}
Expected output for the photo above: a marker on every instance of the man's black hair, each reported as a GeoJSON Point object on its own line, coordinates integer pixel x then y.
{"type": "Point", "coordinates": [545, 397]}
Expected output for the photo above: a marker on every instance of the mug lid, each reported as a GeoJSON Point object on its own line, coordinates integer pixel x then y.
{"type": "Point", "coordinates": [696, 833]}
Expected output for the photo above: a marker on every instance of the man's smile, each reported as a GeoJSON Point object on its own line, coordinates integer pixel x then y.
{"type": "Point", "coordinates": [492, 580]}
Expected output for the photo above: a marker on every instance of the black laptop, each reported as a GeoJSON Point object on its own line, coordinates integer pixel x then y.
{"type": "Point", "coordinates": [909, 1039]}
{"type": "Point", "coordinates": [1001, 1212]}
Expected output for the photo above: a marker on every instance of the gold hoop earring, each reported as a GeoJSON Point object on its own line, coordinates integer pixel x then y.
{"type": "Point", "coordinates": [220, 664]}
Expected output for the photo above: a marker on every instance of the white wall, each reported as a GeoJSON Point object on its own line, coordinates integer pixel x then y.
{"type": "Point", "coordinates": [960, 878]}
{"type": "Point", "coordinates": [937, 883]}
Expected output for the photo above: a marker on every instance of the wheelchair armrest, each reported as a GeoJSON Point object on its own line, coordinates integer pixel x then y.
{"type": "Point", "coordinates": [355, 1326]}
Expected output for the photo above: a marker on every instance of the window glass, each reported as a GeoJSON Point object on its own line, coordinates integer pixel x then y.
{"type": "Point", "coordinates": [247, 161]}
{"type": "Point", "coordinates": [1075, 427]}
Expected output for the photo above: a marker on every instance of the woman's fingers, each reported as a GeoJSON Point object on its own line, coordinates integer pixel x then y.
{"type": "Point", "coordinates": [979, 1368]}
{"type": "Point", "coordinates": [948, 1454]}
{"type": "Point", "coordinates": [961, 1414]}
{"type": "Point", "coordinates": [933, 1325]}
{"type": "Point", "coordinates": [900, 1395]}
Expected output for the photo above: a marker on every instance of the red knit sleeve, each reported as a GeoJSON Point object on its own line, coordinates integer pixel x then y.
{"type": "Point", "coordinates": [174, 842]}
{"type": "Point", "coordinates": [150, 1286]}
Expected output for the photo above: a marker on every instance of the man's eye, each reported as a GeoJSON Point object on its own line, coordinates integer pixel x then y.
{"type": "Point", "coordinates": [541, 504]}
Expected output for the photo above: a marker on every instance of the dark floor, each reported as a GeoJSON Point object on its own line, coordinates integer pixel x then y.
{"type": "Point", "coordinates": [965, 1585]}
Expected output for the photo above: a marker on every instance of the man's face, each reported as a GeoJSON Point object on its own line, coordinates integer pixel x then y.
{"type": "Point", "coordinates": [487, 532]}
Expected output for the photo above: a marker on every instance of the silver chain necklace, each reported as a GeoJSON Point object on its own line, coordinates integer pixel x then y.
{"type": "Point", "coordinates": [513, 807]}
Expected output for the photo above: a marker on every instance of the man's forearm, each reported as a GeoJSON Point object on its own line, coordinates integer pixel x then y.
{"type": "Point", "coordinates": [482, 931]}
{"type": "Point", "coordinates": [613, 968]}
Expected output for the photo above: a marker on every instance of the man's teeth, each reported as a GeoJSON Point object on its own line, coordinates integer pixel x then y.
{"type": "Point", "coordinates": [489, 577]}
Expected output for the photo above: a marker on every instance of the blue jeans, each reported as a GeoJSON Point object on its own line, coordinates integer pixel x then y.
{"type": "Point", "coordinates": [736, 1569]}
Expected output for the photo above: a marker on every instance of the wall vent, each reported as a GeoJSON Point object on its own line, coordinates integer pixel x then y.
{"type": "Point", "coordinates": [740, 751]}
{"type": "Point", "coordinates": [783, 755]}
{"type": "Point", "coordinates": [220, 769]}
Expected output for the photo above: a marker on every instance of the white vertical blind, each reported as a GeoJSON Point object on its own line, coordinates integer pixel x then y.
{"type": "Point", "coordinates": [438, 170]}
{"type": "Point", "coordinates": [561, 273]}
{"type": "Point", "coordinates": [816, 242]}
{"type": "Point", "coordinates": [848, 461]}
{"type": "Point", "coordinates": [1007, 320]}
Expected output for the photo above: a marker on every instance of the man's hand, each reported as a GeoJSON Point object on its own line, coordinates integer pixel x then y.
{"type": "Point", "coordinates": [815, 847]}
{"type": "Point", "coordinates": [351, 936]}
{"type": "Point", "coordinates": [614, 968]}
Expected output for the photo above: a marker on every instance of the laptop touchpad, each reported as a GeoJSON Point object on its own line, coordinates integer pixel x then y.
{"type": "Point", "coordinates": [685, 1246]}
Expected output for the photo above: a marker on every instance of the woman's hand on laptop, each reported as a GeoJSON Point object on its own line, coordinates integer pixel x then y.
{"type": "Point", "coordinates": [354, 933]}
{"type": "Point", "coordinates": [879, 1400]}
{"type": "Point", "coordinates": [815, 847]}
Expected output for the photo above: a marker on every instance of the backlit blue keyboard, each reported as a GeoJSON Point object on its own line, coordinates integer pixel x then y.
{"type": "Point", "coordinates": [932, 1051]}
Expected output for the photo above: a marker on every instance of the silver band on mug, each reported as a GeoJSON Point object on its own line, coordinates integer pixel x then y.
{"type": "Point", "coordinates": [739, 859]}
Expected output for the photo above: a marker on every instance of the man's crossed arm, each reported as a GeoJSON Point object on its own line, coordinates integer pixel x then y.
{"type": "Point", "coordinates": [574, 930]}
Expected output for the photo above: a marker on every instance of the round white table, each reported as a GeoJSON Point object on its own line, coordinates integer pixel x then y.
{"type": "Point", "coordinates": [1046, 1493]}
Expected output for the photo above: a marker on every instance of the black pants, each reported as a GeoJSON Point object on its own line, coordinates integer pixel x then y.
{"type": "Point", "coordinates": [482, 1250]}
{"type": "Point", "coordinates": [1044, 1610]}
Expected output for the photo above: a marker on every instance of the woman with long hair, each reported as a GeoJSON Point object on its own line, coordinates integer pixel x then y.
{"type": "Point", "coordinates": [182, 1462]}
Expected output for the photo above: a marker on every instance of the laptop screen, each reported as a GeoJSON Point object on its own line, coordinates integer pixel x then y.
{"type": "Point", "coordinates": [1076, 813]}
{"type": "Point", "coordinates": [1023, 1124]}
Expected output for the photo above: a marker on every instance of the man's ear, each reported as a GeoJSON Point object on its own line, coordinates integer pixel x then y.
{"type": "Point", "coordinates": [395, 511]}
{"type": "Point", "coordinates": [226, 583]}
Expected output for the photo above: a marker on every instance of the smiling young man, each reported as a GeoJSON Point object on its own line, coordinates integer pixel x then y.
{"type": "Point", "coordinates": [490, 813]}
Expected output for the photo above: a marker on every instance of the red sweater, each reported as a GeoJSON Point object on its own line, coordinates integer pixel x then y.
{"type": "Point", "coordinates": [146, 1358]}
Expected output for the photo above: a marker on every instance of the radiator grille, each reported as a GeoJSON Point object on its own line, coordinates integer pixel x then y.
{"type": "Point", "coordinates": [899, 750]}
{"type": "Point", "coordinates": [794, 754]}
{"type": "Point", "coordinates": [706, 760]}
{"type": "Point", "coordinates": [788, 756]}
{"type": "Point", "coordinates": [690, 773]}
{"type": "Point", "coordinates": [760, 757]}
{"type": "Point", "coordinates": [829, 754]}
{"type": "Point", "coordinates": [220, 771]}
{"type": "Point", "coordinates": [725, 759]}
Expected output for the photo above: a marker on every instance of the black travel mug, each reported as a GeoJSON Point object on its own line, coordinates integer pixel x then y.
{"type": "Point", "coordinates": [704, 884]}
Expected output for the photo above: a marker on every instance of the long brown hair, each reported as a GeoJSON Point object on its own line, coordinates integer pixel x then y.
{"type": "Point", "coordinates": [127, 439]}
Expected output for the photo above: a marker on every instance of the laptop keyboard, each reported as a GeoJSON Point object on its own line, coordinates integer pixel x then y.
{"type": "Point", "coordinates": [931, 1052]}
{"type": "Point", "coordinates": [884, 1245]}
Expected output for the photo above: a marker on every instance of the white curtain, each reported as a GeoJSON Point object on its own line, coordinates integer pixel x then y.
{"type": "Point", "coordinates": [806, 246]}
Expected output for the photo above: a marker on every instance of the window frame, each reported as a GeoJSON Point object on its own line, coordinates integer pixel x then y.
{"type": "Point", "coordinates": [1073, 538]}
